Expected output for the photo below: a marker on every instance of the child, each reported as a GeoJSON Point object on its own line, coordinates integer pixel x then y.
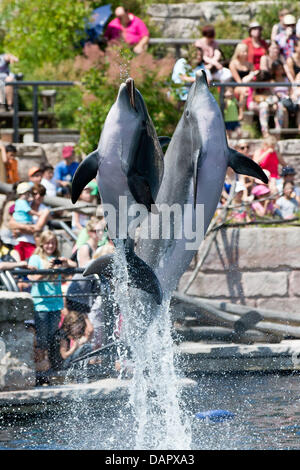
{"type": "Point", "coordinates": [23, 214]}
{"type": "Point", "coordinates": [239, 211]}
{"type": "Point", "coordinates": [47, 180]}
{"type": "Point", "coordinates": [231, 113]}
{"type": "Point", "coordinates": [74, 342]}
{"type": "Point", "coordinates": [265, 207]}
{"type": "Point", "coordinates": [46, 293]}
{"type": "Point", "coordinates": [8, 154]}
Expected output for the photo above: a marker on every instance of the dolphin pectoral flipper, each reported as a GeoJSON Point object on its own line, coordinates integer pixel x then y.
{"type": "Point", "coordinates": [141, 190]}
{"type": "Point", "coordinates": [245, 166]}
{"type": "Point", "coordinates": [140, 275]}
{"type": "Point", "coordinates": [86, 172]}
{"type": "Point", "coordinates": [143, 277]}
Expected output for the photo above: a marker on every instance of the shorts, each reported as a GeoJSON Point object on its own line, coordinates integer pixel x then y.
{"type": "Point", "coordinates": [232, 125]}
{"type": "Point", "coordinates": [25, 250]}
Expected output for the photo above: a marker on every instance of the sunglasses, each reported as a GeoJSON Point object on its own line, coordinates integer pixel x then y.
{"type": "Point", "coordinates": [245, 147]}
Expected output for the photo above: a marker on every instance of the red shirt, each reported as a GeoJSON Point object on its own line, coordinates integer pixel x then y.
{"type": "Point", "coordinates": [255, 53]}
{"type": "Point", "coordinates": [133, 32]}
{"type": "Point", "coordinates": [270, 162]}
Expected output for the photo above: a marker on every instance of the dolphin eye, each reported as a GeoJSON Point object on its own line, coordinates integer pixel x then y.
{"type": "Point", "coordinates": [187, 113]}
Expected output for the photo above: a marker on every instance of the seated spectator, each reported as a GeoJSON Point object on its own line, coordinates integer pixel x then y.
{"type": "Point", "coordinates": [295, 99]}
{"type": "Point", "coordinates": [23, 214]}
{"type": "Point", "coordinates": [231, 113]}
{"type": "Point", "coordinates": [268, 157]}
{"type": "Point", "coordinates": [130, 28]}
{"type": "Point", "coordinates": [80, 219]}
{"type": "Point", "coordinates": [242, 72]}
{"type": "Point", "coordinates": [262, 206]}
{"type": "Point", "coordinates": [257, 47]}
{"type": "Point", "coordinates": [286, 39]}
{"type": "Point", "coordinates": [271, 56]}
{"type": "Point", "coordinates": [9, 258]}
{"type": "Point", "coordinates": [279, 27]}
{"type": "Point", "coordinates": [47, 180]}
{"type": "Point", "coordinates": [64, 171]}
{"type": "Point", "coordinates": [293, 62]}
{"type": "Point", "coordinates": [266, 102]}
{"type": "Point", "coordinates": [35, 175]}
{"type": "Point", "coordinates": [185, 73]}
{"type": "Point", "coordinates": [8, 154]}
{"type": "Point", "coordinates": [6, 233]}
{"type": "Point", "coordinates": [95, 230]}
{"type": "Point", "coordinates": [288, 176]}
{"type": "Point", "coordinates": [74, 342]}
{"type": "Point", "coordinates": [287, 204]}
{"type": "Point", "coordinates": [47, 294]}
{"type": "Point", "coordinates": [212, 56]}
{"type": "Point", "coordinates": [6, 76]}
{"type": "Point", "coordinates": [239, 212]}
{"type": "Point", "coordinates": [247, 181]}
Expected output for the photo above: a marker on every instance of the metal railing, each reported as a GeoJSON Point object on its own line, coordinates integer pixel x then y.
{"type": "Point", "coordinates": [35, 106]}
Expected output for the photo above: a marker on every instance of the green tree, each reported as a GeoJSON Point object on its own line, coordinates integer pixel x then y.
{"type": "Point", "coordinates": [43, 31]}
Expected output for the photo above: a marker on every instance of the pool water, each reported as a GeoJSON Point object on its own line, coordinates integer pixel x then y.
{"type": "Point", "coordinates": [266, 412]}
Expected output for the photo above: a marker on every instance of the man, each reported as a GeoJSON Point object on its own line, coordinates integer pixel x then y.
{"type": "Point", "coordinates": [288, 176]}
{"type": "Point", "coordinates": [64, 171]}
{"type": "Point", "coordinates": [286, 39]}
{"type": "Point", "coordinates": [130, 28]}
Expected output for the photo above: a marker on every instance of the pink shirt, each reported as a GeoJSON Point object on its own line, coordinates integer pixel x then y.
{"type": "Point", "coordinates": [133, 33]}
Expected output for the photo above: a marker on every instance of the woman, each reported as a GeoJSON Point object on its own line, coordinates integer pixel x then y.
{"type": "Point", "coordinates": [95, 231]}
{"type": "Point", "coordinates": [269, 158]}
{"type": "Point", "coordinates": [271, 56]}
{"type": "Point", "coordinates": [257, 47]}
{"type": "Point", "coordinates": [242, 71]}
{"type": "Point", "coordinates": [293, 62]}
{"type": "Point", "coordinates": [212, 55]}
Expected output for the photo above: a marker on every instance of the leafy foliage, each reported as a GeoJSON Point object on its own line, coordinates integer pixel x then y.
{"type": "Point", "coordinates": [43, 31]}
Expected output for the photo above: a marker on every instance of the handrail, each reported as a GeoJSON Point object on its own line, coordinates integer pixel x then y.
{"type": "Point", "coordinates": [35, 85]}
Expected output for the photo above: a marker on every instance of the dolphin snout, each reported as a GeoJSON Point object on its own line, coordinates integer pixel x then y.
{"type": "Point", "coordinates": [201, 77]}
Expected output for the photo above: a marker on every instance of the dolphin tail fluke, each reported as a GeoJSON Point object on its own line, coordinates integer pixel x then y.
{"type": "Point", "coordinates": [85, 173]}
{"type": "Point", "coordinates": [245, 166]}
{"type": "Point", "coordinates": [140, 275]}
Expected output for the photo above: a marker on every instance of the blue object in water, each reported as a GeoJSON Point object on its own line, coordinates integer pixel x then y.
{"type": "Point", "coordinates": [217, 416]}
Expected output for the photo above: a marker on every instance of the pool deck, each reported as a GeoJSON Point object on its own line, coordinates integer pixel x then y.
{"type": "Point", "coordinates": [191, 357]}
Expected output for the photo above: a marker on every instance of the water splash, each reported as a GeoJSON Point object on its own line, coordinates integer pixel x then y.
{"type": "Point", "coordinates": [154, 391]}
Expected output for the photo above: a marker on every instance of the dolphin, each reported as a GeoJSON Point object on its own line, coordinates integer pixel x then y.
{"type": "Point", "coordinates": [195, 165]}
{"type": "Point", "coordinates": [128, 164]}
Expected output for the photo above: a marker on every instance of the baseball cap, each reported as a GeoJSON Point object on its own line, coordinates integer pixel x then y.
{"type": "Point", "coordinates": [289, 20]}
{"type": "Point", "coordinates": [23, 188]}
{"type": "Point", "coordinates": [287, 170]}
{"type": "Point", "coordinates": [67, 151]}
{"type": "Point", "coordinates": [34, 170]}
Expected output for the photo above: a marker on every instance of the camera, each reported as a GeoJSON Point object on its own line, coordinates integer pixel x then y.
{"type": "Point", "coordinates": [57, 261]}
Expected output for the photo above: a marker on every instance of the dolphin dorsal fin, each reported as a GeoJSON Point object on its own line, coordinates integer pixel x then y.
{"type": "Point", "coordinates": [85, 173]}
{"type": "Point", "coordinates": [245, 166]}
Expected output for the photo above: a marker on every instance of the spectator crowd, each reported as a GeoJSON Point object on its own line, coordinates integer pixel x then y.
{"type": "Point", "coordinates": [275, 60]}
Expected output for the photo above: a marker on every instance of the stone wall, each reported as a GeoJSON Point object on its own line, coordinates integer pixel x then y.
{"type": "Point", "coordinates": [16, 341]}
{"type": "Point", "coordinates": [184, 20]}
{"type": "Point", "coordinates": [252, 266]}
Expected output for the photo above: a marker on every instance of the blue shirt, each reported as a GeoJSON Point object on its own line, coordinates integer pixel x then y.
{"type": "Point", "coordinates": [21, 212]}
{"type": "Point", "coordinates": [64, 172]}
{"type": "Point", "coordinates": [40, 289]}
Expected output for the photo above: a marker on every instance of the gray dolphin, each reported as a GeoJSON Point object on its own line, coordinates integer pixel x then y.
{"type": "Point", "coordinates": [195, 165]}
{"type": "Point", "coordinates": [128, 163]}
